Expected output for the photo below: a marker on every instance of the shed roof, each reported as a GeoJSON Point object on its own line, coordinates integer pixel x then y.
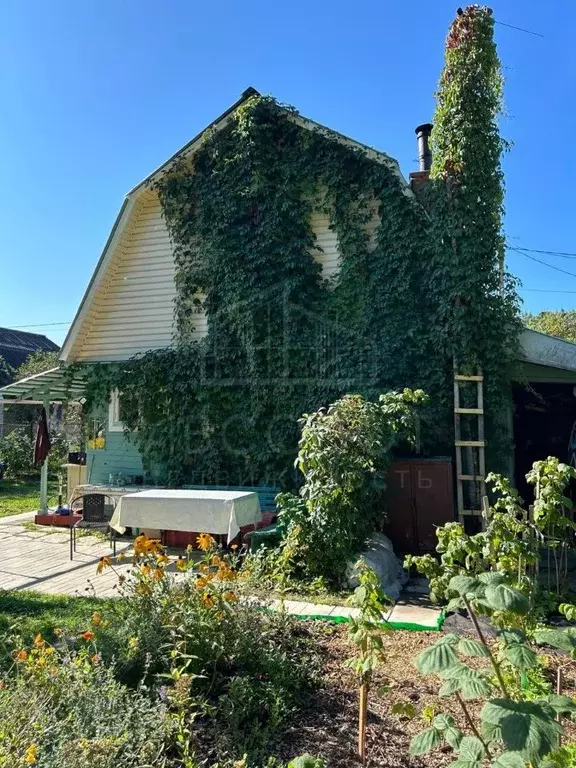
{"type": "Point", "coordinates": [54, 385]}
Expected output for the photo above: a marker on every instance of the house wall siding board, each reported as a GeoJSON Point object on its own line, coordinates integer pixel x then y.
{"type": "Point", "coordinates": [327, 240]}
{"type": "Point", "coordinates": [119, 455]}
{"type": "Point", "coordinates": [133, 311]}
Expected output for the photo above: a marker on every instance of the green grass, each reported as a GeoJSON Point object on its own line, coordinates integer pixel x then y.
{"type": "Point", "coordinates": [18, 496]}
{"type": "Point", "coordinates": [27, 613]}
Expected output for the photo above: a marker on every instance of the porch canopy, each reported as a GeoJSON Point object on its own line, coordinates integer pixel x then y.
{"type": "Point", "coordinates": [53, 386]}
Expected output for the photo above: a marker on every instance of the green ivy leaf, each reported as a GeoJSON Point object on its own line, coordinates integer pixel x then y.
{"type": "Point", "coordinates": [521, 656]}
{"type": "Point", "coordinates": [525, 727]}
{"type": "Point", "coordinates": [472, 647]}
{"type": "Point", "coordinates": [509, 760]}
{"type": "Point", "coordinates": [502, 597]}
{"type": "Point", "coordinates": [425, 742]}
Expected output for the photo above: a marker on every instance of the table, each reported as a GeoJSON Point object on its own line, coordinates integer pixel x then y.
{"type": "Point", "coordinates": [113, 491]}
{"type": "Point", "coordinates": [202, 511]}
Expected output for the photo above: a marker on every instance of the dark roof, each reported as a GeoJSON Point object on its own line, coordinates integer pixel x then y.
{"type": "Point", "coordinates": [17, 346]}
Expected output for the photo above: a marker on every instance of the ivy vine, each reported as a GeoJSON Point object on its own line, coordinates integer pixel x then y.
{"type": "Point", "coordinates": [281, 339]}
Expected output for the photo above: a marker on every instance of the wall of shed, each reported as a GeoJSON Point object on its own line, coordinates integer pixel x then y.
{"type": "Point", "coordinates": [119, 456]}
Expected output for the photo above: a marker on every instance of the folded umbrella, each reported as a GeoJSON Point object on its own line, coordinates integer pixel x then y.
{"type": "Point", "coordinates": [42, 445]}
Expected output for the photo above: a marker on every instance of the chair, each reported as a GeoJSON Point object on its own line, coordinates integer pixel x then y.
{"type": "Point", "coordinates": [93, 517]}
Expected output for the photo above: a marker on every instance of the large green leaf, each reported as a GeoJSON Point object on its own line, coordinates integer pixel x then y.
{"type": "Point", "coordinates": [442, 721]}
{"type": "Point", "coordinates": [526, 727]}
{"type": "Point", "coordinates": [471, 748]}
{"type": "Point", "coordinates": [464, 585]}
{"type": "Point", "coordinates": [509, 760]}
{"type": "Point", "coordinates": [452, 736]}
{"type": "Point", "coordinates": [562, 704]}
{"type": "Point", "coordinates": [438, 657]}
{"type": "Point", "coordinates": [521, 656]}
{"type": "Point", "coordinates": [475, 688]}
{"type": "Point", "coordinates": [491, 578]}
{"type": "Point", "coordinates": [472, 647]}
{"type": "Point", "coordinates": [512, 636]}
{"type": "Point", "coordinates": [450, 686]}
{"type": "Point", "coordinates": [425, 741]}
{"type": "Point", "coordinates": [502, 597]}
{"type": "Point", "coordinates": [565, 639]}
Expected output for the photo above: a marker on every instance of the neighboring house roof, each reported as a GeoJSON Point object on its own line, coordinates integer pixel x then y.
{"type": "Point", "coordinates": [128, 218]}
{"type": "Point", "coordinates": [17, 346]}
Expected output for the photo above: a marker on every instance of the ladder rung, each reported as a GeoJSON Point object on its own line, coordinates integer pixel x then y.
{"type": "Point", "coordinates": [472, 478]}
{"type": "Point", "coordinates": [478, 411]}
{"type": "Point", "coordinates": [468, 378]}
{"type": "Point", "coordinates": [470, 444]}
{"type": "Point", "coordinates": [476, 512]}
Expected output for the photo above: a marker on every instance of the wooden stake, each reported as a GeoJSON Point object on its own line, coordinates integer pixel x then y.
{"type": "Point", "coordinates": [362, 722]}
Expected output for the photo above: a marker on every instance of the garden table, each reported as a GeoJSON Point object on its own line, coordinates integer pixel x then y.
{"type": "Point", "coordinates": [202, 511]}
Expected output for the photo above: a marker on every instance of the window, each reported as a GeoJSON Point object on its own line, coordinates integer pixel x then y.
{"type": "Point", "coordinates": [114, 413]}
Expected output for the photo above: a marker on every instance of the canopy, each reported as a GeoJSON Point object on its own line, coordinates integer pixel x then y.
{"type": "Point", "coordinates": [50, 386]}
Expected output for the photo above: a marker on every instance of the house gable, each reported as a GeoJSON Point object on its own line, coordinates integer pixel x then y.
{"type": "Point", "coordinates": [128, 307]}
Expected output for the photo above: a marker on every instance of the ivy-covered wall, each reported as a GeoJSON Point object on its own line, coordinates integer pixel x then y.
{"type": "Point", "coordinates": [424, 290]}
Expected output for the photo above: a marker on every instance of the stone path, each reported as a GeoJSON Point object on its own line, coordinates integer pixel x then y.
{"type": "Point", "coordinates": [38, 559]}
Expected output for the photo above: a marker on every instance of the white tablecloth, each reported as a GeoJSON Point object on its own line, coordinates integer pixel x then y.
{"type": "Point", "coordinates": [219, 512]}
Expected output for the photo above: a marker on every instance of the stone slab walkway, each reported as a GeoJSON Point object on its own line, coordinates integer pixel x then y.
{"type": "Point", "coordinates": [38, 559]}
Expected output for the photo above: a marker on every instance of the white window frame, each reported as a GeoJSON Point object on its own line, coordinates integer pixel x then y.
{"type": "Point", "coordinates": [114, 423]}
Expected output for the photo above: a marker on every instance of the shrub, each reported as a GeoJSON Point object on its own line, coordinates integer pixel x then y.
{"type": "Point", "coordinates": [66, 709]}
{"type": "Point", "coordinates": [17, 450]}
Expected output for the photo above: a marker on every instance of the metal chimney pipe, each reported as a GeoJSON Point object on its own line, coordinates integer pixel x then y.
{"type": "Point", "coordinates": [424, 153]}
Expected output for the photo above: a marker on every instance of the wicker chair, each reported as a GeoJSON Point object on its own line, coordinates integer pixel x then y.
{"type": "Point", "coordinates": [93, 517]}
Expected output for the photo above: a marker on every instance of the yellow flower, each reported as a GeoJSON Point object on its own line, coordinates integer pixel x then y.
{"type": "Point", "coordinates": [202, 582]}
{"type": "Point", "coordinates": [95, 659]}
{"type": "Point", "coordinates": [208, 600]}
{"type": "Point", "coordinates": [206, 542]}
{"type": "Point", "coordinates": [162, 560]}
{"type": "Point", "coordinates": [133, 643]}
{"type": "Point", "coordinates": [38, 641]}
{"type": "Point", "coordinates": [181, 564]}
{"type": "Point", "coordinates": [21, 655]}
{"type": "Point", "coordinates": [215, 560]}
{"type": "Point", "coordinates": [157, 574]}
{"type": "Point", "coordinates": [145, 570]}
{"type": "Point", "coordinates": [96, 619]}
{"type": "Point", "coordinates": [41, 662]}
{"type": "Point", "coordinates": [230, 596]}
{"type": "Point", "coordinates": [121, 556]}
{"type": "Point", "coordinates": [31, 755]}
{"type": "Point", "coordinates": [58, 632]}
{"type": "Point", "coordinates": [234, 547]}
{"type": "Point", "coordinates": [104, 562]}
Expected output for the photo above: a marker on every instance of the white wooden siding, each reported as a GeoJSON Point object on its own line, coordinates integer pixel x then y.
{"type": "Point", "coordinates": [327, 240]}
{"type": "Point", "coordinates": [133, 310]}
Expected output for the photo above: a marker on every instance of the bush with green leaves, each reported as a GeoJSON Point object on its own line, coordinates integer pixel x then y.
{"type": "Point", "coordinates": [511, 541]}
{"type": "Point", "coordinates": [61, 708]}
{"type": "Point", "coordinates": [17, 450]}
{"type": "Point", "coordinates": [512, 730]}
{"type": "Point", "coordinates": [344, 455]}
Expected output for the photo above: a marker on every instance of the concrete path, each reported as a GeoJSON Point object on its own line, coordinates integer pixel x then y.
{"type": "Point", "coordinates": [38, 558]}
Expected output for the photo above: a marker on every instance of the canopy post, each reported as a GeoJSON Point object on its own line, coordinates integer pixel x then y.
{"type": "Point", "coordinates": [44, 469]}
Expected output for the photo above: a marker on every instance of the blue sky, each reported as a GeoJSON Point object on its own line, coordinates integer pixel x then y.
{"type": "Point", "coordinates": [97, 93]}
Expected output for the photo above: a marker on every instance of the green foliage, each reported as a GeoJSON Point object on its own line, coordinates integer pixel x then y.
{"type": "Point", "coordinates": [560, 323]}
{"type": "Point", "coordinates": [480, 322]}
{"type": "Point", "coordinates": [344, 455]}
{"type": "Point", "coordinates": [508, 548]}
{"type": "Point", "coordinates": [37, 362]}
{"type": "Point", "coordinates": [6, 372]}
{"type": "Point", "coordinates": [518, 721]}
{"type": "Point", "coordinates": [69, 711]}
{"type": "Point", "coordinates": [366, 630]}
{"type": "Point", "coordinates": [17, 450]}
{"type": "Point", "coordinates": [563, 757]}
{"type": "Point", "coordinates": [281, 340]}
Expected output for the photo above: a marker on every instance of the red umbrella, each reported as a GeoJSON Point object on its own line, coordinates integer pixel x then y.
{"type": "Point", "coordinates": [42, 445]}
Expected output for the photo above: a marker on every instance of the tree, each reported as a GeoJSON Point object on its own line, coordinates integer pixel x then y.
{"type": "Point", "coordinates": [560, 322]}
{"type": "Point", "coordinates": [37, 362]}
{"type": "Point", "coordinates": [5, 372]}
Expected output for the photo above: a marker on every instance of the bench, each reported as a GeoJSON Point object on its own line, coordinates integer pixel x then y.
{"type": "Point", "coordinates": [266, 495]}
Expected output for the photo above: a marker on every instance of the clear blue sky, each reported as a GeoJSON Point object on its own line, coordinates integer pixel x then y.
{"type": "Point", "coordinates": [96, 93]}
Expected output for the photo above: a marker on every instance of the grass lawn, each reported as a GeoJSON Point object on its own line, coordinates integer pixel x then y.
{"type": "Point", "coordinates": [18, 496]}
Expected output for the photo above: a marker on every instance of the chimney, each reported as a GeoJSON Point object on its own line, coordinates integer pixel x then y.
{"type": "Point", "coordinates": [419, 178]}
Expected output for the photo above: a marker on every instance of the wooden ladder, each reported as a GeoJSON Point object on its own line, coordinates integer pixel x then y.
{"type": "Point", "coordinates": [478, 445]}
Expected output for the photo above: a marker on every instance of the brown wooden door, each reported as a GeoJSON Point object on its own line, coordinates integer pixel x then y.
{"type": "Point", "coordinates": [433, 500]}
{"type": "Point", "coordinates": [401, 526]}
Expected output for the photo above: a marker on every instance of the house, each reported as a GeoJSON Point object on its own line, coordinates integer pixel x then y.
{"type": "Point", "coordinates": [16, 346]}
{"type": "Point", "coordinates": [153, 294]}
